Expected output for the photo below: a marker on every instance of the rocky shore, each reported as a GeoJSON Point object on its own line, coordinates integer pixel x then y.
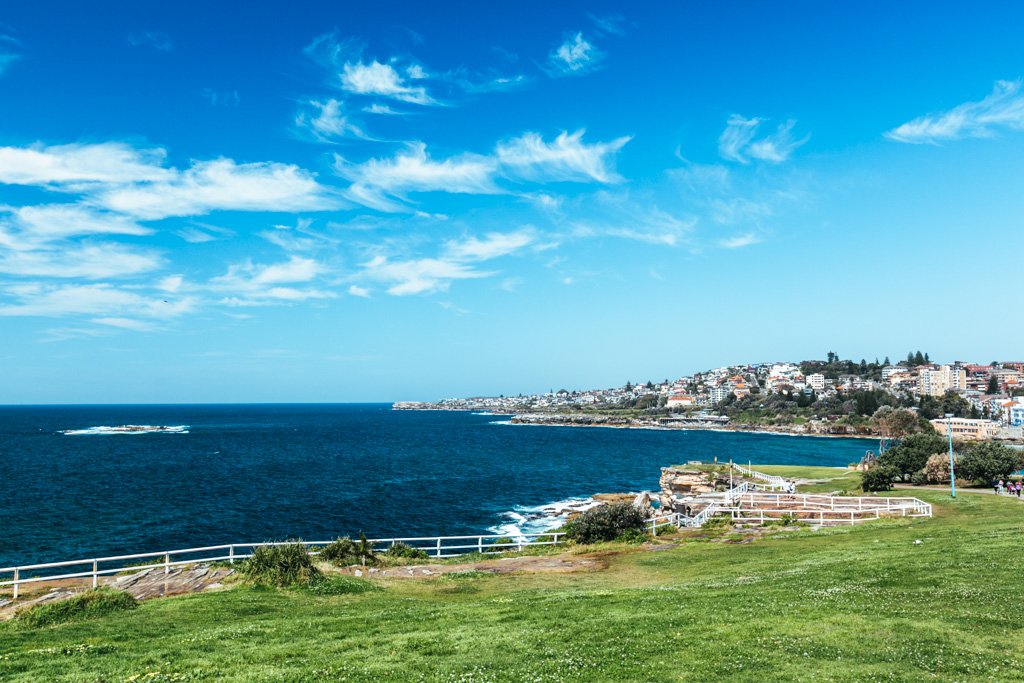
{"type": "Point", "coordinates": [820, 429]}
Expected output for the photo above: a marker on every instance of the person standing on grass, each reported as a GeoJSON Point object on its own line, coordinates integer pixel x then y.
{"type": "Point", "coordinates": [999, 487]}
{"type": "Point", "coordinates": [1017, 487]}
{"type": "Point", "coordinates": [995, 487]}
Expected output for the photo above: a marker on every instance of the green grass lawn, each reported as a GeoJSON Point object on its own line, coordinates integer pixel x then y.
{"type": "Point", "coordinates": [850, 604]}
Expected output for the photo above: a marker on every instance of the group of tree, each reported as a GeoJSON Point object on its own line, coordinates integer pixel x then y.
{"type": "Point", "coordinates": [924, 458]}
{"type": "Point", "coordinates": [833, 367]}
{"type": "Point", "coordinates": [915, 359]}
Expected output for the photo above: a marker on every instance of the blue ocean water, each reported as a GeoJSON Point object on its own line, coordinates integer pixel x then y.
{"type": "Point", "coordinates": [246, 473]}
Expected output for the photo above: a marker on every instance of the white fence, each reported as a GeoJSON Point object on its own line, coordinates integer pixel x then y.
{"type": "Point", "coordinates": [435, 546]}
{"type": "Point", "coordinates": [771, 480]}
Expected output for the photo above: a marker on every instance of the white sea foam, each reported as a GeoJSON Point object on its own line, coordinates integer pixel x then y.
{"type": "Point", "coordinates": [537, 519]}
{"type": "Point", "coordinates": [127, 429]}
{"type": "Point", "coordinates": [488, 413]}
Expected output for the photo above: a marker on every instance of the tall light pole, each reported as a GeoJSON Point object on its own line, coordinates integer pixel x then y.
{"type": "Point", "coordinates": [952, 474]}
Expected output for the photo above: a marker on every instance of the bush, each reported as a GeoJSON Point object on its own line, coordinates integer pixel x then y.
{"type": "Point", "coordinates": [936, 470]}
{"type": "Point", "coordinates": [986, 462]}
{"type": "Point", "coordinates": [288, 564]}
{"type": "Point", "coordinates": [92, 603]}
{"type": "Point", "coordinates": [919, 478]}
{"type": "Point", "coordinates": [400, 549]}
{"type": "Point", "coordinates": [633, 537]}
{"type": "Point", "coordinates": [605, 523]}
{"type": "Point", "coordinates": [343, 551]}
{"type": "Point", "coordinates": [878, 478]}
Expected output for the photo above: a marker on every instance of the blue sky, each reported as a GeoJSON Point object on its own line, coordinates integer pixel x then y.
{"type": "Point", "coordinates": [342, 202]}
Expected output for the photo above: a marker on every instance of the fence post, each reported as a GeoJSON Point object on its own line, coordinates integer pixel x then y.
{"type": "Point", "coordinates": [439, 546]}
{"type": "Point", "coordinates": [167, 563]}
{"type": "Point", "coordinates": [480, 544]}
{"type": "Point", "coordinates": [654, 527]}
{"type": "Point", "coordinates": [95, 574]}
{"type": "Point", "coordinates": [17, 575]}
{"type": "Point", "coordinates": [231, 554]}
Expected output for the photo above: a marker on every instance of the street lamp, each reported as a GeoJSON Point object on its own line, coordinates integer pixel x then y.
{"type": "Point", "coordinates": [952, 475]}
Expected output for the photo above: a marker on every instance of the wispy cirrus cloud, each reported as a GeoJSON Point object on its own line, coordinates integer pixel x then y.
{"type": "Point", "coordinates": [221, 184]}
{"type": "Point", "coordinates": [89, 261]}
{"type": "Point", "coordinates": [458, 261]}
{"type": "Point", "coordinates": [574, 56]}
{"type": "Point", "coordinates": [1003, 109]}
{"type": "Point", "coordinates": [384, 184]}
{"type": "Point", "coordinates": [740, 141]}
{"type": "Point", "coordinates": [381, 183]}
{"type": "Point", "coordinates": [739, 241]}
{"type": "Point", "coordinates": [8, 52]}
{"type": "Point", "coordinates": [78, 165]}
{"type": "Point", "coordinates": [376, 78]}
{"type": "Point", "coordinates": [250, 284]}
{"type": "Point", "coordinates": [158, 40]}
{"type": "Point", "coordinates": [566, 158]}
{"type": "Point", "coordinates": [327, 121]}
{"type": "Point", "coordinates": [101, 299]}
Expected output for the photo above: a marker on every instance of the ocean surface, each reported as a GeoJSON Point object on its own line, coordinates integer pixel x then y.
{"type": "Point", "coordinates": [247, 473]}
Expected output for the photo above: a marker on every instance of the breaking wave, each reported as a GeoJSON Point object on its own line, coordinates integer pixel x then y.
{"type": "Point", "coordinates": [128, 429]}
{"type": "Point", "coordinates": [537, 519]}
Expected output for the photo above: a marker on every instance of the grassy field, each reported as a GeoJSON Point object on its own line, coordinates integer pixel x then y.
{"type": "Point", "coordinates": [851, 604]}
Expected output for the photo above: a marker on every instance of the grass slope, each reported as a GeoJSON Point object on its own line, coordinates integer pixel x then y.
{"type": "Point", "coordinates": [860, 604]}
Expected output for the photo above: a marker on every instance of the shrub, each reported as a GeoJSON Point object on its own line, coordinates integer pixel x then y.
{"type": "Point", "coordinates": [400, 549]}
{"type": "Point", "coordinates": [92, 603]}
{"type": "Point", "coordinates": [633, 537]}
{"type": "Point", "coordinates": [986, 462]}
{"type": "Point", "coordinates": [606, 523]}
{"type": "Point", "coordinates": [919, 478]}
{"type": "Point", "coordinates": [878, 478]}
{"type": "Point", "coordinates": [343, 551]}
{"type": "Point", "coordinates": [288, 564]}
{"type": "Point", "coordinates": [936, 470]}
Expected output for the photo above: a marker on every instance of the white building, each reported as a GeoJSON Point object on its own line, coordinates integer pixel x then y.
{"type": "Point", "coordinates": [816, 381]}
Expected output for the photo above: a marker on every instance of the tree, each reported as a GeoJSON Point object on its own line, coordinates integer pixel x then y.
{"type": "Point", "coordinates": [926, 358]}
{"type": "Point", "coordinates": [912, 454]}
{"type": "Point", "coordinates": [918, 358]}
{"type": "Point", "coordinates": [879, 478]}
{"type": "Point", "coordinates": [910, 358]}
{"type": "Point", "coordinates": [886, 361]}
{"type": "Point", "coordinates": [993, 385]}
{"type": "Point", "coordinates": [895, 423]}
{"type": "Point", "coordinates": [649, 385]}
{"type": "Point", "coordinates": [986, 462]}
{"type": "Point", "coordinates": [629, 386]}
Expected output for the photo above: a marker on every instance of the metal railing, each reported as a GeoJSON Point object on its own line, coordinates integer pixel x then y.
{"type": "Point", "coordinates": [94, 568]}
{"type": "Point", "coordinates": [771, 480]}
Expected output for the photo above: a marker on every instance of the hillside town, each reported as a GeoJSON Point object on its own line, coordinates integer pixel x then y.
{"type": "Point", "coordinates": [832, 396]}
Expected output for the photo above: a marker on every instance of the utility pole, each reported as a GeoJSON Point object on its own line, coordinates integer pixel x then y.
{"type": "Point", "coordinates": [952, 474]}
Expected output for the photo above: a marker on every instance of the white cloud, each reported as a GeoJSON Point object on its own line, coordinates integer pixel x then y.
{"type": "Point", "coordinates": [492, 245]}
{"type": "Point", "coordinates": [32, 226]}
{"type": "Point", "coordinates": [565, 158]}
{"type": "Point", "coordinates": [249, 284]}
{"type": "Point", "coordinates": [110, 162]}
{"type": "Point", "coordinates": [222, 98]}
{"type": "Point", "coordinates": [90, 261]}
{"type": "Point", "coordinates": [381, 109]}
{"type": "Point", "coordinates": [356, 290]}
{"type": "Point", "coordinates": [221, 184]}
{"type": "Point", "coordinates": [377, 182]}
{"type": "Point", "coordinates": [738, 241]}
{"type": "Point", "coordinates": [327, 121]}
{"type": "Point", "coordinates": [1004, 108]}
{"type": "Point", "coordinates": [101, 299]}
{"type": "Point", "coordinates": [126, 324]}
{"type": "Point", "coordinates": [739, 141]}
{"type": "Point", "coordinates": [574, 56]}
{"type": "Point", "coordinates": [418, 276]}
{"type": "Point", "coordinates": [383, 80]}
